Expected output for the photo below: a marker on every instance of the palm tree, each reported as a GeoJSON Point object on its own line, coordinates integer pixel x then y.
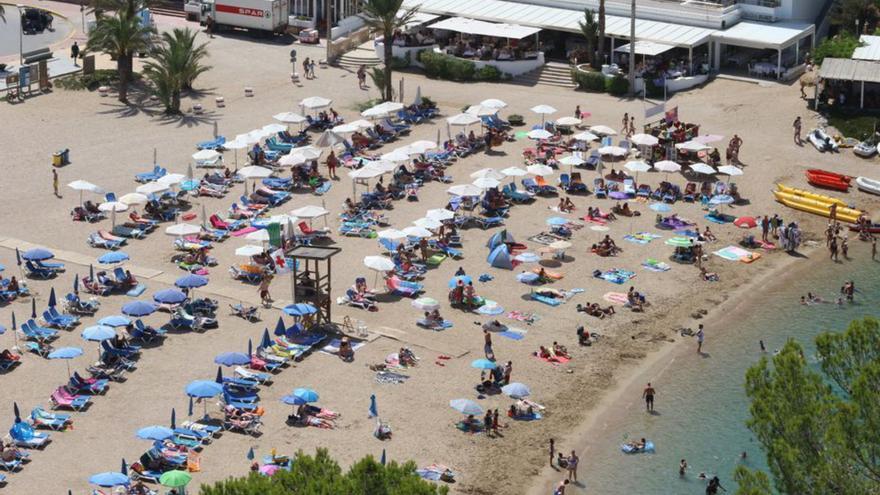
{"type": "Point", "coordinates": [120, 36]}
{"type": "Point", "coordinates": [590, 30]}
{"type": "Point", "coordinates": [99, 7]}
{"type": "Point", "coordinates": [381, 15]}
{"type": "Point", "coordinates": [177, 63]}
{"type": "Point", "coordinates": [601, 51]}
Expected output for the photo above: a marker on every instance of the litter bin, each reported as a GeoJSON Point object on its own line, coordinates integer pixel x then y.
{"type": "Point", "coordinates": [61, 158]}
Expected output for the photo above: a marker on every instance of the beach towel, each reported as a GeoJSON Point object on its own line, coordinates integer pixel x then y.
{"type": "Point", "coordinates": [527, 318]}
{"type": "Point", "coordinates": [243, 232]}
{"type": "Point", "coordinates": [719, 218]}
{"type": "Point", "coordinates": [333, 346]}
{"type": "Point", "coordinates": [615, 297]}
{"type": "Point", "coordinates": [679, 242]}
{"type": "Point", "coordinates": [596, 220]}
{"type": "Point", "coordinates": [514, 333]}
{"type": "Point", "coordinates": [616, 275]}
{"type": "Point", "coordinates": [550, 301]}
{"type": "Point", "coordinates": [535, 416]}
{"type": "Point", "coordinates": [323, 188]}
{"type": "Point", "coordinates": [687, 233]}
{"type": "Point", "coordinates": [642, 237]}
{"type": "Point", "coordinates": [600, 228]}
{"type": "Point", "coordinates": [485, 277]}
{"type": "Point", "coordinates": [423, 322]}
{"type": "Point", "coordinates": [434, 472]}
{"type": "Point", "coordinates": [731, 253]}
{"type": "Point", "coordinates": [554, 359]}
{"type": "Point", "coordinates": [475, 428]}
{"type": "Point", "coordinates": [655, 265]}
{"type": "Point", "coordinates": [543, 239]}
{"type": "Point", "coordinates": [750, 257]}
{"type": "Point", "coordinates": [137, 291]}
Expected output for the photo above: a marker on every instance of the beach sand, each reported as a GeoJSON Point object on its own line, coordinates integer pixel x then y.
{"type": "Point", "coordinates": [110, 142]}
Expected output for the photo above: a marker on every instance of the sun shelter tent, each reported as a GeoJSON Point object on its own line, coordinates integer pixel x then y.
{"type": "Point", "coordinates": [500, 257]}
{"type": "Point", "coordinates": [790, 40]}
{"type": "Point", "coordinates": [842, 75]}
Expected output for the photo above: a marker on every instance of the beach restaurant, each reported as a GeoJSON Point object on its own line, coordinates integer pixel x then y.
{"type": "Point", "coordinates": [850, 83]}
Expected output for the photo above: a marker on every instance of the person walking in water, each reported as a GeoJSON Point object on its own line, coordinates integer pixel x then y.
{"type": "Point", "coordinates": [797, 130]}
{"type": "Point", "coordinates": [700, 337]}
{"type": "Point", "coordinates": [648, 395]}
{"type": "Point", "coordinates": [682, 467]}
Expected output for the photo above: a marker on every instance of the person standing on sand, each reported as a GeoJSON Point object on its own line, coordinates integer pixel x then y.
{"type": "Point", "coordinates": [487, 345]}
{"type": "Point", "coordinates": [306, 68]}
{"type": "Point", "coordinates": [55, 183]}
{"type": "Point", "coordinates": [648, 395]}
{"type": "Point", "coordinates": [797, 130]}
{"type": "Point", "coordinates": [560, 488]}
{"type": "Point", "coordinates": [832, 248]}
{"type": "Point", "coordinates": [577, 112]}
{"type": "Point", "coordinates": [700, 337]}
{"type": "Point", "coordinates": [625, 123]}
{"type": "Point", "coordinates": [362, 76]}
{"type": "Point", "coordinates": [765, 227]}
{"type": "Point", "coordinates": [552, 451]}
{"type": "Point", "coordinates": [209, 26]}
{"type": "Point", "coordinates": [573, 467]}
{"type": "Point", "coordinates": [74, 53]}
{"type": "Point", "coordinates": [265, 297]}
{"type": "Point", "coordinates": [487, 423]}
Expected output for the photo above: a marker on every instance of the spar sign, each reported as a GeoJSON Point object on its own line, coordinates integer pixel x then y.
{"type": "Point", "coordinates": [233, 9]}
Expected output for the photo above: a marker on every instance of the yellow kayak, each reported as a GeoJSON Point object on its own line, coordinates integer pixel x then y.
{"type": "Point", "coordinates": [816, 207]}
{"type": "Point", "coordinates": [811, 195]}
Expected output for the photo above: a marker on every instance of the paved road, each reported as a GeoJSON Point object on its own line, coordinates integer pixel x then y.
{"type": "Point", "coordinates": [9, 34]}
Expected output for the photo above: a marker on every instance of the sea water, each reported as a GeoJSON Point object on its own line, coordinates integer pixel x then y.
{"type": "Point", "coordinates": [701, 407]}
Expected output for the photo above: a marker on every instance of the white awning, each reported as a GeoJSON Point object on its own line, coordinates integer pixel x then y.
{"type": "Point", "coordinates": [844, 69]}
{"type": "Point", "coordinates": [418, 18]}
{"type": "Point", "coordinates": [761, 35]}
{"type": "Point", "coordinates": [648, 48]}
{"type": "Point", "coordinates": [558, 19]}
{"type": "Point", "coordinates": [870, 49]}
{"type": "Point", "coordinates": [482, 28]}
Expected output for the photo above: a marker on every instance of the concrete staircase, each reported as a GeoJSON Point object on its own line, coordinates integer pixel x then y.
{"type": "Point", "coordinates": [357, 57]}
{"type": "Point", "coordinates": [551, 74]}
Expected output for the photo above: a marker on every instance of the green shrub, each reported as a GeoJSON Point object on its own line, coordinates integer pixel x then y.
{"type": "Point", "coordinates": [441, 66]}
{"type": "Point", "coordinates": [588, 81]}
{"type": "Point", "coordinates": [398, 63]}
{"type": "Point", "coordinates": [489, 73]}
{"type": "Point", "coordinates": [91, 82]}
{"type": "Point", "coordinates": [617, 85]}
{"type": "Point", "coordinates": [460, 70]}
{"type": "Point", "coordinates": [841, 46]}
{"type": "Point", "coordinates": [652, 89]}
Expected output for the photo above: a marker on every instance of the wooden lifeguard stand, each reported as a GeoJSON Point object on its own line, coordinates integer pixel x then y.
{"type": "Point", "coordinates": [311, 279]}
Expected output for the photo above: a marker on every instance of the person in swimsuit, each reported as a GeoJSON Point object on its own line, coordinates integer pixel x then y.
{"type": "Point", "coordinates": [682, 467]}
{"type": "Point", "coordinates": [573, 467]}
{"type": "Point", "coordinates": [648, 395]}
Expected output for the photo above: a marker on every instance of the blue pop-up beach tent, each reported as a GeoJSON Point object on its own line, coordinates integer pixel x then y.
{"type": "Point", "coordinates": [500, 257]}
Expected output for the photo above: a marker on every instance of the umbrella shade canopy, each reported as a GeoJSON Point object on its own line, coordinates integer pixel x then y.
{"type": "Point", "coordinates": [692, 146]}
{"type": "Point", "coordinates": [702, 168]}
{"type": "Point", "coordinates": [98, 333]}
{"type": "Point", "coordinates": [568, 121]}
{"type": "Point", "coordinates": [464, 279]}
{"type": "Point", "coordinates": [557, 221]}
{"type": "Point", "coordinates": [746, 222]}
{"type": "Point", "coordinates": [398, 155]}
{"type": "Point", "coordinates": [309, 152]}
{"type": "Point", "coordinates": [527, 277]}
{"type": "Point", "coordinates": [82, 185]}
{"type": "Point", "coordinates": [205, 155]}
{"type": "Point", "coordinates": [493, 103]}
{"type": "Point", "coordinates": [391, 234]}
{"type": "Point", "coordinates": [203, 389]}
{"type": "Point", "coordinates": [486, 183]}
{"type": "Point", "coordinates": [585, 136]}
{"type": "Point", "coordinates": [730, 170]}
{"type": "Point", "coordinates": [708, 138]}
{"type": "Point", "coordinates": [238, 144]}
{"type": "Point", "coordinates": [543, 109]}
{"type": "Point", "coordinates": [367, 172]}
{"type": "Point", "coordinates": [299, 309]}
{"type": "Point", "coordinates": [527, 257]}
{"type": "Point", "coordinates": [644, 140]}
{"type": "Point", "coordinates": [134, 199]}
{"type": "Point", "coordinates": [344, 129]}
{"type": "Point", "coordinates": [114, 321]}
{"type": "Point", "coordinates": [560, 245]}
{"type": "Point", "coordinates": [273, 128]}
{"type": "Point", "coordinates": [261, 235]}
{"type": "Point", "coordinates": [329, 138]}
{"type": "Point", "coordinates": [466, 406]}
{"type": "Point", "coordinates": [602, 130]}
{"type": "Point", "coordinates": [481, 111]}
{"type": "Point", "coordinates": [382, 109]}
{"type": "Point", "coordinates": [440, 214]}
{"type": "Point", "coordinates": [613, 151]}
{"type": "Point", "coordinates": [428, 223]}
{"type": "Point", "coordinates": [171, 179]}
{"type": "Point", "coordinates": [315, 102]}
{"type": "Point", "coordinates": [514, 172]}
{"type": "Point", "coordinates": [249, 250]}
{"type": "Point", "coordinates": [516, 389]}
{"type": "Point", "coordinates": [191, 281]}
{"type": "Point", "coordinates": [488, 172]}
{"type": "Point", "coordinates": [181, 229]}
{"type": "Point", "coordinates": [232, 359]}
{"type": "Point", "coordinates": [421, 146]}
{"type": "Point", "coordinates": [463, 119]}
{"type": "Point", "coordinates": [152, 188]}
{"type": "Point", "coordinates": [37, 254]}
{"type": "Point", "coordinates": [306, 394]}
{"type": "Point", "coordinates": [175, 478]}
{"type": "Point", "coordinates": [721, 199]}
{"type": "Point", "coordinates": [65, 353]}
{"type": "Point", "coordinates": [254, 172]}
{"type": "Point", "coordinates": [540, 134]}
{"type": "Point", "coordinates": [660, 207]}
{"type": "Point", "coordinates": [417, 232]}
{"type": "Point", "coordinates": [464, 190]}
{"type": "Point", "coordinates": [637, 166]}
{"type": "Point", "coordinates": [291, 160]}
{"type": "Point", "coordinates": [483, 364]}
{"type": "Point", "coordinates": [539, 169]}
{"type": "Point", "coordinates": [289, 117]}
{"type": "Point", "coordinates": [667, 166]}
{"type": "Point", "coordinates": [109, 479]}
{"type": "Point", "coordinates": [361, 124]}
{"type": "Point", "coordinates": [169, 296]}
{"type": "Point", "coordinates": [572, 161]}
{"type": "Point", "coordinates": [426, 304]}
{"type": "Point", "coordinates": [309, 212]}
{"type": "Point", "coordinates": [112, 258]}
{"type": "Point", "coordinates": [155, 432]}
{"type": "Point", "coordinates": [379, 263]}
{"type": "Point", "coordinates": [138, 308]}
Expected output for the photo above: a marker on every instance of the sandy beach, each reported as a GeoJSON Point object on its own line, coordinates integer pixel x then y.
{"type": "Point", "coordinates": [110, 142]}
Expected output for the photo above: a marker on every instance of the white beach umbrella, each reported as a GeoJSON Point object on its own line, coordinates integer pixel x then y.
{"type": "Point", "coordinates": [440, 214]}
{"type": "Point", "coordinates": [540, 134]}
{"type": "Point", "coordinates": [181, 229]}
{"type": "Point", "coordinates": [586, 136]}
{"type": "Point", "coordinates": [730, 170]}
{"type": "Point", "coordinates": [205, 155]}
{"type": "Point", "coordinates": [362, 124]}
{"type": "Point", "coordinates": [315, 102]}
{"type": "Point", "coordinates": [644, 140]}
{"type": "Point", "coordinates": [481, 111]}
{"type": "Point", "coordinates": [692, 146]}
{"type": "Point", "coordinates": [391, 234]}
{"type": "Point", "coordinates": [417, 232]}
{"type": "Point", "coordinates": [486, 183]}
{"type": "Point", "coordinates": [382, 165]}
{"type": "Point", "coordinates": [261, 235]}
{"type": "Point", "coordinates": [109, 206]}
{"type": "Point", "coordinates": [246, 138]}
{"type": "Point", "coordinates": [613, 151]}
{"type": "Point", "coordinates": [637, 166]}
{"type": "Point", "coordinates": [568, 121]}
{"type": "Point", "coordinates": [81, 185]}
{"type": "Point", "coordinates": [236, 145]}
{"type": "Point", "coordinates": [667, 166]}
{"type": "Point", "coordinates": [426, 304]}
{"type": "Point", "coordinates": [365, 173]}
{"type": "Point", "coordinates": [464, 190]}
{"type": "Point", "coordinates": [309, 152]}
{"type": "Point", "coordinates": [560, 245]}
{"type": "Point", "coordinates": [273, 128]}
{"type": "Point", "coordinates": [255, 172]}
{"type": "Point", "coordinates": [463, 119]}
{"type": "Point", "coordinates": [379, 263]}
{"type": "Point", "coordinates": [309, 212]}
{"type": "Point", "coordinates": [493, 103]}
{"type": "Point", "coordinates": [397, 155]}
{"type": "Point", "coordinates": [292, 160]}
{"type": "Point", "coordinates": [152, 188]}
{"type": "Point", "coordinates": [171, 179]}
{"type": "Point", "coordinates": [289, 117]}
{"type": "Point", "coordinates": [345, 129]}
{"type": "Point", "coordinates": [514, 172]}
{"type": "Point", "coordinates": [539, 169]}
{"type": "Point", "coordinates": [488, 172]}
{"type": "Point", "coordinates": [382, 109]}
{"type": "Point", "coordinates": [249, 250]}
{"type": "Point", "coordinates": [572, 161]}
{"type": "Point", "coordinates": [702, 168]}
{"type": "Point", "coordinates": [329, 138]}
{"type": "Point", "coordinates": [602, 130]}
{"type": "Point", "coordinates": [421, 146]}
{"type": "Point", "coordinates": [544, 109]}
{"type": "Point", "coordinates": [134, 199]}
{"type": "Point", "coordinates": [428, 223]}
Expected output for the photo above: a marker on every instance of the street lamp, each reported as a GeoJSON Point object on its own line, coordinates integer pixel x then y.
{"type": "Point", "coordinates": [20, 34]}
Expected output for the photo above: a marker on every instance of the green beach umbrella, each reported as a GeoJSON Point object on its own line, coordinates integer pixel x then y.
{"type": "Point", "coordinates": [175, 479]}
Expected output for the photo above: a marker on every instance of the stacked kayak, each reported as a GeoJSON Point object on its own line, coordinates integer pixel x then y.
{"type": "Point", "coordinates": [868, 185]}
{"type": "Point", "coordinates": [828, 180]}
{"type": "Point", "coordinates": [816, 204]}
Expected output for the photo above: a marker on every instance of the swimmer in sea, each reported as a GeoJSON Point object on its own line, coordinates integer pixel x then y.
{"type": "Point", "coordinates": [763, 349]}
{"type": "Point", "coordinates": [682, 467]}
{"type": "Point", "coordinates": [803, 301]}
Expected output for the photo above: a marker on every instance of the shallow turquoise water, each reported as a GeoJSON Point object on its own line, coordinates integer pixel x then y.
{"type": "Point", "coordinates": [701, 403]}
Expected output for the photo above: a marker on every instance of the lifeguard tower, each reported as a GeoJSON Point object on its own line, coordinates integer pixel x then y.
{"type": "Point", "coordinates": [311, 279]}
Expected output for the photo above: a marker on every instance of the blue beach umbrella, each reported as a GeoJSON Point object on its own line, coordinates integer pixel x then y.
{"type": "Point", "coordinates": [124, 468]}
{"type": "Point", "coordinates": [466, 406]}
{"type": "Point", "coordinates": [190, 409]}
{"type": "Point", "coordinates": [483, 364]}
{"type": "Point", "coordinates": [2, 329]}
{"type": "Point", "coordinates": [556, 221]}
{"type": "Point", "coordinates": [293, 400]}
{"type": "Point", "coordinates": [109, 479]}
{"type": "Point", "coordinates": [173, 418]}
{"type": "Point", "coordinates": [266, 341]}
{"type": "Point", "coordinates": [114, 321]}
{"type": "Point", "coordinates": [280, 328]}
{"type": "Point", "coordinates": [169, 296]}
{"type": "Point", "coordinates": [203, 389]}
{"type": "Point", "coordinates": [306, 394]}
{"type": "Point", "coordinates": [721, 199]}
{"type": "Point", "coordinates": [516, 390]}
{"type": "Point", "coordinates": [76, 284]}
{"type": "Point", "coordinates": [139, 308]}
{"type": "Point", "coordinates": [250, 348]}
{"type": "Point", "coordinates": [527, 277]}
{"type": "Point", "coordinates": [33, 307]}
{"type": "Point", "coordinates": [299, 309]}
{"type": "Point", "coordinates": [16, 412]}
{"type": "Point", "coordinates": [98, 333]}
{"type": "Point", "coordinates": [191, 281]}
{"type": "Point", "coordinates": [91, 271]}
{"type": "Point", "coordinates": [52, 301]}
{"type": "Point", "coordinates": [660, 207]}
{"type": "Point", "coordinates": [17, 257]}
{"type": "Point", "coordinates": [37, 254]}
{"type": "Point", "coordinates": [491, 308]}
{"type": "Point", "coordinates": [250, 454]}
{"type": "Point", "coordinates": [113, 257]}
{"type": "Point", "coordinates": [219, 377]}
{"type": "Point", "coordinates": [65, 353]}
{"type": "Point", "coordinates": [465, 279]}
{"type": "Point", "coordinates": [374, 412]}
{"type": "Point", "coordinates": [382, 459]}
{"type": "Point", "coordinates": [155, 433]}
{"type": "Point", "coordinates": [232, 359]}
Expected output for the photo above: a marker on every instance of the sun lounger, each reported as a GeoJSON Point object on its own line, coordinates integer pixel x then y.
{"type": "Point", "coordinates": [11, 466]}
{"type": "Point", "coordinates": [42, 418]}
{"type": "Point", "coordinates": [155, 174]}
{"type": "Point", "coordinates": [402, 287]}
{"type": "Point", "coordinates": [35, 271]}
{"type": "Point", "coordinates": [99, 240]}
{"type": "Point", "coordinates": [127, 232]}
{"type": "Point", "coordinates": [61, 398]}
{"type": "Point", "coordinates": [57, 320]}
{"type": "Point", "coordinates": [92, 386]}
{"type": "Point", "coordinates": [263, 378]}
{"type": "Point", "coordinates": [550, 301]}
{"type": "Point", "coordinates": [212, 144]}
{"type": "Point", "coordinates": [33, 331]}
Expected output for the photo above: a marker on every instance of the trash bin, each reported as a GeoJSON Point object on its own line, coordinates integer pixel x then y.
{"type": "Point", "coordinates": [61, 158]}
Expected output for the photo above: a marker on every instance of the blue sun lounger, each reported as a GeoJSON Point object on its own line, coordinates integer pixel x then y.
{"type": "Point", "coordinates": [37, 272]}
{"type": "Point", "coordinates": [550, 301]}
{"type": "Point", "coordinates": [155, 174]}
{"type": "Point", "coordinates": [54, 319]}
{"type": "Point", "coordinates": [212, 144]}
{"type": "Point", "coordinates": [35, 332]}
{"type": "Point", "coordinates": [24, 435]}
